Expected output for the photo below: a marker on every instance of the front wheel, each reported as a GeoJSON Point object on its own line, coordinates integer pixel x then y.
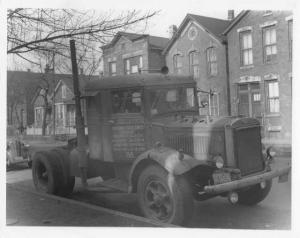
{"type": "Point", "coordinates": [254, 194]}
{"type": "Point", "coordinates": [164, 197]}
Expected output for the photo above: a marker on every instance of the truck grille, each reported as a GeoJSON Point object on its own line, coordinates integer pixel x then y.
{"type": "Point", "coordinates": [190, 145]}
{"type": "Point", "coordinates": [248, 151]}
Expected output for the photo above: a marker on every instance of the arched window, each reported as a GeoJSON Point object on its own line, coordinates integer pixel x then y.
{"type": "Point", "coordinates": [177, 63]}
{"type": "Point", "coordinates": [194, 64]}
{"type": "Point", "coordinates": [211, 57]}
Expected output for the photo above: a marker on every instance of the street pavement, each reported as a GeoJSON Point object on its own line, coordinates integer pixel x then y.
{"type": "Point", "coordinates": [272, 213]}
{"type": "Point", "coordinates": [26, 207]}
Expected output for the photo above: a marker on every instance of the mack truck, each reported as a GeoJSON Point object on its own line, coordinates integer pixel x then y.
{"type": "Point", "coordinates": [146, 136]}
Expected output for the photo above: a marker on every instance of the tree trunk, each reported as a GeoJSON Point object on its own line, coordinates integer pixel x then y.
{"type": "Point", "coordinates": [45, 114]}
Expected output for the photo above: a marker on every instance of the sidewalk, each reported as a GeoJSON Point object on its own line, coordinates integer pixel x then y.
{"type": "Point", "coordinates": [28, 208]}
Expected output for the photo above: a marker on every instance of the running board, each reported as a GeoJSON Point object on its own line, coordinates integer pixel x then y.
{"type": "Point", "coordinates": [109, 186]}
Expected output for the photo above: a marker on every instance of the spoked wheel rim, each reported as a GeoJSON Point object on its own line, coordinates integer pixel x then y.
{"type": "Point", "coordinates": [158, 201]}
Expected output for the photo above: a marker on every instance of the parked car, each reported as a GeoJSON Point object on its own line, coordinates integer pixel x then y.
{"type": "Point", "coordinates": [16, 148]}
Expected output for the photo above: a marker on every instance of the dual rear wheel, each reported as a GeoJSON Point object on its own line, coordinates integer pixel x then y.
{"type": "Point", "coordinates": [50, 173]}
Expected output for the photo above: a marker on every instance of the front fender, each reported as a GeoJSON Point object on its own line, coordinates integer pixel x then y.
{"type": "Point", "coordinates": [166, 157]}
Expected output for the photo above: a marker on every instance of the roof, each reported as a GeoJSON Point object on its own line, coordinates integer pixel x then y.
{"type": "Point", "coordinates": [68, 81]}
{"type": "Point", "coordinates": [154, 41]}
{"type": "Point", "coordinates": [212, 25]}
{"type": "Point", "coordinates": [158, 42]}
{"type": "Point", "coordinates": [235, 21]}
{"type": "Point", "coordinates": [32, 81]}
{"type": "Point", "coordinates": [137, 80]}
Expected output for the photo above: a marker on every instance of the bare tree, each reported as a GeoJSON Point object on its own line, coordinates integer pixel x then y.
{"type": "Point", "coordinates": [39, 35]}
{"type": "Point", "coordinates": [48, 30]}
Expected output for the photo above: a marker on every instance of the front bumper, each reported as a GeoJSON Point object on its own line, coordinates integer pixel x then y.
{"type": "Point", "coordinates": [247, 181]}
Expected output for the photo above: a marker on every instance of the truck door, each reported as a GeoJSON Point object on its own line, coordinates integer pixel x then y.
{"type": "Point", "coordinates": [127, 124]}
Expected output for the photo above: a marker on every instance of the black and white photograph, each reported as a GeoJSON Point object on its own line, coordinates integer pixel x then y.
{"type": "Point", "coordinates": [149, 114]}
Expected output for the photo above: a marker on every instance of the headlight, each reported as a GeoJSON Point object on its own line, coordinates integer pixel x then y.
{"type": "Point", "coordinates": [271, 152]}
{"type": "Point", "coordinates": [219, 161]}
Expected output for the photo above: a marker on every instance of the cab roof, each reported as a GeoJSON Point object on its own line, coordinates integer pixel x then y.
{"type": "Point", "coordinates": [137, 80]}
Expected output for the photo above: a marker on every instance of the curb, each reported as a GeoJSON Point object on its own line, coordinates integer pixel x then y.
{"type": "Point", "coordinates": [94, 207]}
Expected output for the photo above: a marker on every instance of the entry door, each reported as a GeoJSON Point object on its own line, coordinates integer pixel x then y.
{"type": "Point", "coordinates": [127, 124]}
{"type": "Point", "coordinates": [249, 100]}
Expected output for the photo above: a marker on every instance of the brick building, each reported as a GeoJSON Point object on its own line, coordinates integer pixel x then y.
{"type": "Point", "coordinates": [260, 69]}
{"type": "Point", "coordinates": [130, 53]}
{"type": "Point", "coordinates": [198, 49]}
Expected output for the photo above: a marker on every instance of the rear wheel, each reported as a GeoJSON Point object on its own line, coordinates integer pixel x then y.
{"type": "Point", "coordinates": [46, 173]}
{"type": "Point", "coordinates": [68, 183]}
{"type": "Point", "coordinates": [164, 197]}
{"type": "Point", "coordinates": [254, 194]}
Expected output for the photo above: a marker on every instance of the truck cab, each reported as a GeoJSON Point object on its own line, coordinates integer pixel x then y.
{"type": "Point", "coordinates": [145, 136]}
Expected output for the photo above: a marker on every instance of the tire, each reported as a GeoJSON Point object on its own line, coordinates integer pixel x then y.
{"type": "Point", "coordinates": [254, 194]}
{"type": "Point", "coordinates": [163, 197]}
{"type": "Point", "coordinates": [46, 173]}
{"type": "Point", "coordinates": [68, 182]}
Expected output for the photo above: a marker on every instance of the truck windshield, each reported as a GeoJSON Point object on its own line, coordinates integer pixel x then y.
{"type": "Point", "coordinates": [172, 100]}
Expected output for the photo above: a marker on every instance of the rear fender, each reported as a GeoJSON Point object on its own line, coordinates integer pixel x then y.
{"type": "Point", "coordinates": [167, 158]}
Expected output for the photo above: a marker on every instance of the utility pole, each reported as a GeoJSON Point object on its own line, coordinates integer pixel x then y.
{"type": "Point", "coordinates": [53, 101]}
{"type": "Point", "coordinates": [80, 151]}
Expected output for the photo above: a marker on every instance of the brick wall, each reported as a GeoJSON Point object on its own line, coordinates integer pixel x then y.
{"type": "Point", "coordinates": [123, 49]}
{"type": "Point", "coordinates": [183, 45]}
{"type": "Point", "coordinates": [156, 60]}
{"type": "Point", "coordinates": [276, 125]}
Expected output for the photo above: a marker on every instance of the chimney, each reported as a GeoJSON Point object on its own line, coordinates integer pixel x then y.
{"type": "Point", "coordinates": [230, 15]}
{"type": "Point", "coordinates": [172, 30]}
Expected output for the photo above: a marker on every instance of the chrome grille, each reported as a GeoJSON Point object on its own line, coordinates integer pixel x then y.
{"type": "Point", "coordinates": [248, 151]}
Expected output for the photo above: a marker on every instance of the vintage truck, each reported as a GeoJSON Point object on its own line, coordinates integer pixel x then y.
{"type": "Point", "coordinates": [145, 136]}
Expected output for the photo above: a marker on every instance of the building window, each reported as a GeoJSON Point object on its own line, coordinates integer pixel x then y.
{"type": "Point", "coordinates": [194, 64]}
{"type": "Point", "coordinates": [71, 115]}
{"type": "Point", "coordinates": [272, 96]}
{"type": "Point", "coordinates": [112, 68]}
{"type": "Point", "coordinates": [269, 44]}
{"type": "Point", "coordinates": [177, 62]}
{"type": "Point", "coordinates": [290, 36]}
{"type": "Point", "coordinates": [246, 48]}
{"type": "Point", "coordinates": [127, 66]}
{"type": "Point", "coordinates": [208, 103]}
{"type": "Point", "coordinates": [212, 68]}
{"type": "Point", "coordinates": [133, 65]}
{"type": "Point", "coordinates": [39, 115]}
{"type": "Point", "coordinates": [63, 91]}
{"type": "Point", "coordinates": [59, 111]}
